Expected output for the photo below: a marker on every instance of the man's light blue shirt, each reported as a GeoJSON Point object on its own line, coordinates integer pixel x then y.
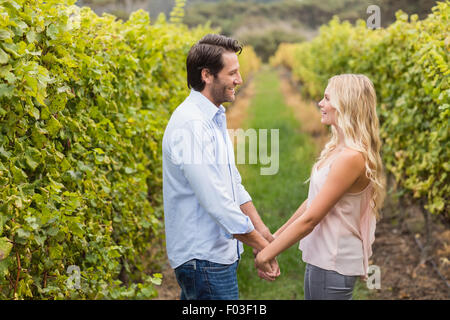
{"type": "Point", "coordinates": [202, 187]}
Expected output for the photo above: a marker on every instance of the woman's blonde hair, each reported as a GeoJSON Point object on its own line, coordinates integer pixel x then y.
{"type": "Point", "coordinates": [354, 98]}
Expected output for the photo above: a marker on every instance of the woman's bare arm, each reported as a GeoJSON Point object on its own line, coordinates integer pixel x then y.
{"type": "Point", "coordinates": [344, 172]}
{"type": "Point", "coordinates": [294, 217]}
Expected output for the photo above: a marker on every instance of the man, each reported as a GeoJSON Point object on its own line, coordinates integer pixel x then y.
{"type": "Point", "coordinates": [207, 210]}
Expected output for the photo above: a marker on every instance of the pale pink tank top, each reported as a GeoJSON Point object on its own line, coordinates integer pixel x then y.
{"type": "Point", "coordinates": [342, 241]}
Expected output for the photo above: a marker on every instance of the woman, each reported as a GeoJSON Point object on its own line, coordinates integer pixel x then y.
{"type": "Point", "coordinates": [336, 224]}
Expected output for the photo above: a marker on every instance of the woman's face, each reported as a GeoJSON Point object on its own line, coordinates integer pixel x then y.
{"type": "Point", "coordinates": [327, 110]}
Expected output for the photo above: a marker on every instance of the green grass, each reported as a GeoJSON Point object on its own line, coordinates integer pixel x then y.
{"type": "Point", "coordinates": [276, 197]}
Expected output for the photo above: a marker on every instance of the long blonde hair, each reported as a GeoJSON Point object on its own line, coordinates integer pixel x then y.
{"type": "Point", "coordinates": [354, 98]}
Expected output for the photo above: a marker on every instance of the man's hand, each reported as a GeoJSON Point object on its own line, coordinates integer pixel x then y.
{"type": "Point", "coordinates": [265, 276]}
{"type": "Point", "coordinates": [249, 209]}
{"type": "Point", "coordinates": [269, 276]}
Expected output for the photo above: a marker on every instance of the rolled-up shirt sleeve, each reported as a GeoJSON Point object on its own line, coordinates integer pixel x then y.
{"type": "Point", "coordinates": [201, 171]}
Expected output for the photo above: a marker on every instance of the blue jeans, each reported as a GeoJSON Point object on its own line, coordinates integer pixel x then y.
{"type": "Point", "coordinates": [321, 284]}
{"type": "Point", "coordinates": [205, 280]}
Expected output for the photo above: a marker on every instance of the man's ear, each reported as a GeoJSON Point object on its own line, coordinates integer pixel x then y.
{"type": "Point", "coordinates": [206, 75]}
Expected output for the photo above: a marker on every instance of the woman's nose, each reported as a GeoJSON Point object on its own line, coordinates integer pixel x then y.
{"type": "Point", "coordinates": [319, 105]}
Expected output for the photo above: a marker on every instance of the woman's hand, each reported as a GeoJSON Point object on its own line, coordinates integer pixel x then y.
{"type": "Point", "coordinates": [271, 267]}
{"type": "Point", "coordinates": [270, 276]}
{"type": "Point", "coordinates": [266, 275]}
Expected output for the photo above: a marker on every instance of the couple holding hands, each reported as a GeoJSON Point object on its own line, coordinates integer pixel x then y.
{"type": "Point", "coordinates": [209, 214]}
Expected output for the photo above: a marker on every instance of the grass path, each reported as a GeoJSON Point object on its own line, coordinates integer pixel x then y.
{"type": "Point", "coordinates": [276, 197]}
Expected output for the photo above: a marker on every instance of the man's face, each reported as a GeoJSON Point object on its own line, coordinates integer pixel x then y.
{"type": "Point", "coordinates": [222, 88]}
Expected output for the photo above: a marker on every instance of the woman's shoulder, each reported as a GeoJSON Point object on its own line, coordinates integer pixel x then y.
{"type": "Point", "coordinates": [351, 158]}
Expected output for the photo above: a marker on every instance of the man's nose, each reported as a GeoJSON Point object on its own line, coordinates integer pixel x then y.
{"type": "Point", "coordinates": [239, 80]}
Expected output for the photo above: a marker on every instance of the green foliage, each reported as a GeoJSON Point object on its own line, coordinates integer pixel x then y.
{"type": "Point", "coordinates": [249, 63]}
{"type": "Point", "coordinates": [84, 101]}
{"type": "Point", "coordinates": [408, 63]}
{"type": "Point", "coordinates": [177, 14]}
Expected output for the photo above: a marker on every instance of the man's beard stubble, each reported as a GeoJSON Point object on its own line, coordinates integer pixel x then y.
{"type": "Point", "coordinates": [218, 92]}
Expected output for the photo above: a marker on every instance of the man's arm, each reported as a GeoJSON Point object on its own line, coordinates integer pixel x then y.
{"type": "Point", "coordinates": [249, 209]}
{"type": "Point", "coordinates": [199, 166]}
{"type": "Point", "coordinates": [253, 239]}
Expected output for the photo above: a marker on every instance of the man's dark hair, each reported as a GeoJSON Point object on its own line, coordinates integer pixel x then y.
{"type": "Point", "coordinates": [207, 53]}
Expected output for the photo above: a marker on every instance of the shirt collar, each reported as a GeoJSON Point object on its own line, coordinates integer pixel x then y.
{"type": "Point", "coordinates": [206, 106]}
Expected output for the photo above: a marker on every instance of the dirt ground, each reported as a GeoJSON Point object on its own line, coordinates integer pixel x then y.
{"type": "Point", "coordinates": [405, 272]}
{"type": "Point", "coordinates": [169, 289]}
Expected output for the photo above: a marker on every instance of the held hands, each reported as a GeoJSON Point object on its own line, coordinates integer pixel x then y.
{"type": "Point", "coordinates": [271, 273]}
{"type": "Point", "coordinates": [266, 270]}
{"type": "Point", "coordinates": [268, 267]}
